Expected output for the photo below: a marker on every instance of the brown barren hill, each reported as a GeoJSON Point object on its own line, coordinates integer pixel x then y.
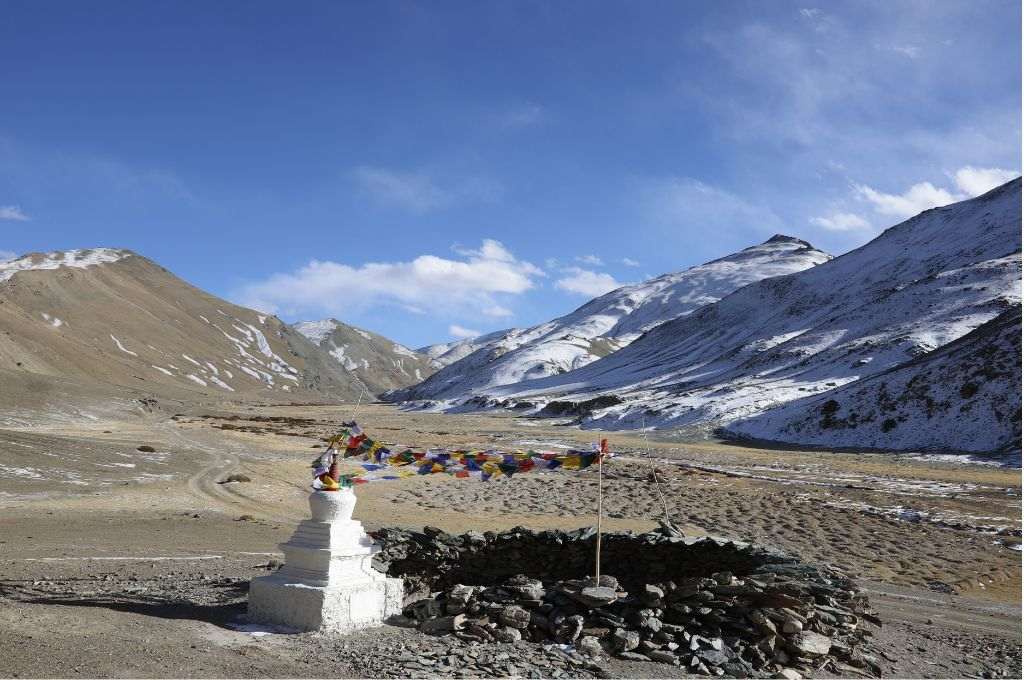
{"type": "Point", "coordinates": [105, 321]}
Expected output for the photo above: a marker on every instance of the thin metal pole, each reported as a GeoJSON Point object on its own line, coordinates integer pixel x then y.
{"type": "Point", "coordinates": [600, 503]}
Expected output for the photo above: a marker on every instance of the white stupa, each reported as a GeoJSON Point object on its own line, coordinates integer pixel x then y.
{"type": "Point", "coordinates": [327, 583]}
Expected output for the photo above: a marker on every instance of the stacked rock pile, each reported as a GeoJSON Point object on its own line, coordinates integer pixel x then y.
{"type": "Point", "coordinates": [776, 616]}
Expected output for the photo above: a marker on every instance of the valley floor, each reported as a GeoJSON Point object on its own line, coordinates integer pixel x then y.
{"type": "Point", "coordinates": [116, 562]}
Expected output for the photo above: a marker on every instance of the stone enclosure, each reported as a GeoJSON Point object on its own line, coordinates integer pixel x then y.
{"type": "Point", "coordinates": [716, 608]}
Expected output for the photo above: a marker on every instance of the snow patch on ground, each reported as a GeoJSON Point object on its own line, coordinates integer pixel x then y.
{"type": "Point", "coordinates": [53, 321]}
{"type": "Point", "coordinates": [316, 331]}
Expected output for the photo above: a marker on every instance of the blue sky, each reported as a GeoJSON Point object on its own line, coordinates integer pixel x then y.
{"type": "Point", "coordinates": [427, 170]}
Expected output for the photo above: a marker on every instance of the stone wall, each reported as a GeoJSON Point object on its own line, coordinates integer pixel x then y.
{"type": "Point", "coordinates": [714, 607]}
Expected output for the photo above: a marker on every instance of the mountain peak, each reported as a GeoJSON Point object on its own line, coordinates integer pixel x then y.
{"type": "Point", "coordinates": [782, 238]}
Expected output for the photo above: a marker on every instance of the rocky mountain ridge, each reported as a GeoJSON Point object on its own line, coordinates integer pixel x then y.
{"type": "Point", "coordinates": [379, 363]}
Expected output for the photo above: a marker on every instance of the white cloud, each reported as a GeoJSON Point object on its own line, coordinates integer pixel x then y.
{"type": "Point", "coordinates": [460, 332]}
{"type": "Point", "coordinates": [497, 310]}
{"type": "Point", "coordinates": [841, 221]}
{"type": "Point", "coordinates": [418, 192]}
{"type": "Point", "coordinates": [6, 255]}
{"type": "Point", "coordinates": [586, 282]}
{"type": "Point", "coordinates": [430, 282]}
{"type": "Point", "coordinates": [630, 262]}
{"type": "Point", "coordinates": [917, 198]}
{"type": "Point", "coordinates": [970, 181]}
{"type": "Point", "coordinates": [976, 181]}
{"type": "Point", "coordinates": [552, 263]}
{"type": "Point", "coordinates": [592, 260]}
{"type": "Point", "coordinates": [13, 212]}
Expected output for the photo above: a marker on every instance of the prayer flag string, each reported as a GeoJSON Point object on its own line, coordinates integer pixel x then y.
{"type": "Point", "coordinates": [383, 463]}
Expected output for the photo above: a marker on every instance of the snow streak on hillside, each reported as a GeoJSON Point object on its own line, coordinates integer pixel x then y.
{"type": "Point", "coordinates": [605, 324]}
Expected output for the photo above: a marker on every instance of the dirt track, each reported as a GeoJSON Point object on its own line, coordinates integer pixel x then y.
{"type": "Point", "coordinates": [146, 577]}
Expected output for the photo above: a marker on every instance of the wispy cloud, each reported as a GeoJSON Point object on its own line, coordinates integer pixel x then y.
{"type": "Point", "coordinates": [702, 208]}
{"type": "Point", "coordinates": [13, 212]}
{"type": "Point", "coordinates": [976, 181]}
{"type": "Point", "coordinates": [816, 18]}
{"type": "Point", "coordinates": [6, 255]}
{"type": "Point", "coordinates": [413, 191]}
{"type": "Point", "coordinates": [461, 332]}
{"type": "Point", "coordinates": [841, 221]}
{"type": "Point", "coordinates": [909, 51]}
{"type": "Point", "coordinates": [630, 262]}
{"type": "Point", "coordinates": [440, 284]}
{"type": "Point", "coordinates": [919, 197]}
{"type": "Point", "coordinates": [970, 182]}
{"type": "Point", "coordinates": [522, 116]}
{"type": "Point", "coordinates": [420, 192]}
{"type": "Point", "coordinates": [497, 311]}
{"type": "Point", "coordinates": [592, 260]}
{"type": "Point", "coordinates": [586, 282]}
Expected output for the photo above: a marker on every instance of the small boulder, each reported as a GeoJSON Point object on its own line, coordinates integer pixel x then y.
{"type": "Point", "coordinates": [809, 643]}
{"type": "Point", "coordinates": [595, 596]}
{"type": "Point", "coordinates": [445, 624]}
{"type": "Point", "coordinates": [625, 640]}
{"type": "Point", "coordinates": [788, 674]}
{"type": "Point", "coordinates": [589, 646]}
{"type": "Point", "coordinates": [508, 634]}
{"type": "Point", "coordinates": [514, 616]}
{"type": "Point", "coordinates": [662, 656]}
{"type": "Point", "coordinates": [569, 629]}
{"type": "Point", "coordinates": [652, 596]}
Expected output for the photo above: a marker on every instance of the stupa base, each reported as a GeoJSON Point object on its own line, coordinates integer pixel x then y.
{"type": "Point", "coordinates": [330, 609]}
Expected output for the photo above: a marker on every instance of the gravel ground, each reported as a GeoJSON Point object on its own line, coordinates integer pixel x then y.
{"type": "Point", "coordinates": [125, 575]}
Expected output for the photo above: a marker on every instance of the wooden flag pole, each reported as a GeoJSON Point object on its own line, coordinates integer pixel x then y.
{"type": "Point", "coordinates": [600, 510]}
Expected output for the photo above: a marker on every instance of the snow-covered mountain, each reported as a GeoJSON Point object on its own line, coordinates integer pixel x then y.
{"type": "Point", "coordinates": [378, 362]}
{"type": "Point", "coordinates": [968, 391]}
{"type": "Point", "coordinates": [445, 353]}
{"type": "Point", "coordinates": [603, 325]}
{"type": "Point", "coordinates": [101, 319]}
{"type": "Point", "coordinates": [920, 285]}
